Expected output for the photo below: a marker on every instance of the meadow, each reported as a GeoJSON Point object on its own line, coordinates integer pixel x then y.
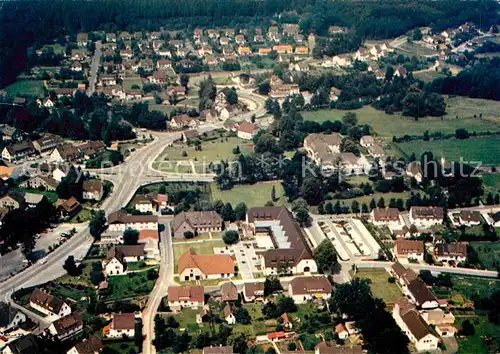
{"type": "Point", "coordinates": [26, 87]}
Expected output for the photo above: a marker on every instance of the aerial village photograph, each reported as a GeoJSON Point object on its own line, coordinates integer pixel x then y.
{"type": "Point", "coordinates": [249, 177]}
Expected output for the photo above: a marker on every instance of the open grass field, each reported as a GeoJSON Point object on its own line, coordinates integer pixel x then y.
{"type": "Point", "coordinates": [410, 49]}
{"type": "Point", "coordinates": [129, 82]}
{"type": "Point", "coordinates": [253, 195]}
{"type": "Point", "coordinates": [130, 285]}
{"type": "Point", "coordinates": [488, 253]}
{"type": "Point", "coordinates": [82, 216]}
{"type": "Point", "coordinates": [387, 125]}
{"type": "Point", "coordinates": [165, 109]}
{"type": "Point", "coordinates": [367, 198]}
{"type": "Point", "coordinates": [203, 247]}
{"type": "Point", "coordinates": [483, 329]}
{"type": "Point", "coordinates": [171, 159]}
{"type": "Point", "coordinates": [473, 149]}
{"type": "Point", "coordinates": [26, 87]}
{"type": "Point", "coordinates": [427, 75]}
{"type": "Point", "coordinates": [380, 285]}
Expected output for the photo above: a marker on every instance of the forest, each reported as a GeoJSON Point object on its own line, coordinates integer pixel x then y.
{"type": "Point", "coordinates": [26, 25]}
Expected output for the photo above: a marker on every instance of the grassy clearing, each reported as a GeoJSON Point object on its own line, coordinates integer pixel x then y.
{"type": "Point", "coordinates": [387, 125]}
{"type": "Point", "coordinates": [26, 87]}
{"type": "Point", "coordinates": [130, 285]}
{"type": "Point", "coordinates": [253, 195]}
{"type": "Point", "coordinates": [483, 329]}
{"type": "Point", "coordinates": [50, 195]}
{"type": "Point", "coordinates": [83, 279]}
{"type": "Point", "coordinates": [410, 49]}
{"type": "Point", "coordinates": [173, 157]}
{"type": "Point", "coordinates": [428, 75]}
{"type": "Point", "coordinates": [131, 81]}
{"type": "Point", "coordinates": [82, 216]}
{"type": "Point", "coordinates": [488, 253]}
{"type": "Point", "coordinates": [380, 286]}
{"type": "Point", "coordinates": [473, 149]}
{"type": "Point", "coordinates": [165, 109]}
{"type": "Point", "coordinates": [367, 198]}
{"type": "Point", "coordinates": [204, 247]}
{"type": "Point", "coordinates": [491, 182]}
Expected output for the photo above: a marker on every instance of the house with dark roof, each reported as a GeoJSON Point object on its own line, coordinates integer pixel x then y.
{"type": "Point", "coordinates": [193, 266]}
{"type": "Point", "coordinates": [67, 207]}
{"type": "Point", "coordinates": [304, 289]}
{"type": "Point", "coordinates": [389, 216]}
{"type": "Point", "coordinates": [48, 304]}
{"type": "Point", "coordinates": [10, 317]}
{"type": "Point", "coordinates": [66, 326]}
{"type": "Point", "coordinates": [18, 151]}
{"type": "Point", "coordinates": [37, 182]}
{"type": "Point", "coordinates": [469, 217]}
{"type": "Point", "coordinates": [456, 252]}
{"type": "Point", "coordinates": [195, 222]}
{"type": "Point", "coordinates": [117, 258]}
{"type": "Point", "coordinates": [229, 292]}
{"type": "Point", "coordinates": [414, 326]}
{"type": "Point", "coordinates": [253, 291]}
{"type": "Point", "coordinates": [122, 324]}
{"type": "Point", "coordinates": [290, 252]}
{"type": "Point", "coordinates": [410, 249]}
{"type": "Point", "coordinates": [120, 220]}
{"type": "Point", "coordinates": [93, 189]}
{"type": "Point", "coordinates": [420, 294]}
{"type": "Point", "coordinates": [91, 345]}
{"type": "Point", "coordinates": [64, 152]}
{"type": "Point", "coordinates": [185, 296]}
{"type": "Point", "coordinates": [24, 345]}
{"type": "Point", "coordinates": [426, 216]}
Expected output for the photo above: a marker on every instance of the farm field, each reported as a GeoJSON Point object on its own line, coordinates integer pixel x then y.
{"type": "Point", "coordinates": [26, 87]}
{"type": "Point", "coordinates": [171, 159]}
{"type": "Point", "coordinates": [387, 125]}
{"type": "Point", "coordinates": [473, 149]}
{"type": "Point", "coordinates": [380, 285]}
{"type": "Point", "coordinates": [252, 194]}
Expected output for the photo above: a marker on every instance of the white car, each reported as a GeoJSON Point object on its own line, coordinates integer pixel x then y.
{"type": "Point", "coordinates": [43, 260]}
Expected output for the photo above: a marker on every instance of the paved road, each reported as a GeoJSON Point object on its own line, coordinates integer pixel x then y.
{"type": "Point", "coordinates": [94, 66]}
{"type": "Point", "coordinates": [165, 279]}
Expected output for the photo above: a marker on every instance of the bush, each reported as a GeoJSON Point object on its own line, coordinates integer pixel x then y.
{"type": "Point", "coordinates": [292, 346]}
{"type": "Point", "coordinates": [231, 237]}
{"type": "Point", "coordinates": [391, 280]}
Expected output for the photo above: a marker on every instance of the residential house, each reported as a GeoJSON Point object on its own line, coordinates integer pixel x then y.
{"type": "Point", "coordinates": [110, 37]}
{"type": "Point", "coordinates": [495, 218]}
{"type": "Point", "coordinates": [414, 169]}
{"type": "Point", "coordinates": [122, 324]}
{"type": "Point", "coordinates": [229, 314]}
{"type": "Point", "coordinates": [67, 207]}
{"type": "Point", "coordinates": [303, 289]}
{"type": "Point", "coordinates": [18, 151]}
{"type": "Point", "coordinates": [163, 64]}
{"type": "Point", "coordinates": [47, 143]}
{"type": "Point", "coordinates": [76, 66]}
{"type": "Point", "coordinates": [273, 33]}
{"type": "Point", "coordinates": [322, 147]}
{"type": "Point", "coordinates": [209, 115]}
{"type": "Point", "coordinates": [366, 141]}
{"type": "Point", "coordinates": [159, 77]}
{"type": "Point", "coordinates": [470, 218]}
{"type": "Point", "coordinates": [126, 53]}
{"type": "Point", "coordinates": [336, 29]}
{"type": "Point", "coordinates": [47, 304]}
{"type": "Point", "coordinates": [66, 326]}
{"type": "Point", "coordinates": [65, 152]}
{"type": "Point", "coordinates": [455, 252]}
{"type": "Point", "coordinates": [264, 51]}
{"type": "Point", "coordinates": [426, 216]}
{"type": "Point", "coordinates": [244, 51]}
{"type": "Point", "coordinates": [401, 72]}
{"type": "Point", "coordinates": [31, 200]}
{"type": "Point", "coordinates": [253, 291]}
{"type": "Point", "coordinates": [193, 266]}
{"type": "Point", "coordinates": [117, 258]}
{"type": "Point", "coordinates": [283, 49]}
{"type": "Point", "coordinates": [247, 130]}
{"type": "Point", "coordinates": [229, 292]}
{"type": "Point", "coordinates": [190, 296]}
{"type": "Point", "coordinates": [79, 54]}
{"type": "Point", "coordinates": [182, 121]}
{"type": "Point", "coordinates": [120, 221]}
{"type": "Point", "coordinates": [285, 321]}
{"type": "Point", "coordinates": [150, 239]}
{"type": "Point", "coordinates": [143, 203]}
{"type": "Point", "coordinates": [414, 326]}
{"type": "Point", "coordinates": [13, 200]}
{"type": "Point", "coordinates": [218, 350]}
{"type": "Point", "coordinates": [108, 80]}
{"type": "Point", "coordinates": [195, 222]}
{"type": "Point", "coordinates": [133, 94]}
{"type": "Point", "coordinates": [93, 189]}
{"type": "Point", "coordinates": [411, 249]}
{"type": "Point", "coordinates": [389, 216]}
{"type": "Point", "coordinates": [92, 345]}
{"type": "Point", "coordinates": [376, 151]}
{"type": "Point", "coordinates": [146, 64]}
{"type": "Point", "coordinates": [292, 254]}
{"type": "Point", "coordinates": [10, 317]}
{"type": "Point", "coordinates": [341, 331]}
{"type": "Point", "coordinates": [27, 344]}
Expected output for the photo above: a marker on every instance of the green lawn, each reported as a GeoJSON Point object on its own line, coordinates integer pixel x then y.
{"type": "Point", "coordinates": [387, 125]}
{"type": "Point", "coordinates": [26, 87]}
{"type": "Point", "coordinates": [165, 109]}
{"type": "Point", "coordinates": [205, 247]}
{"type": "Point", "coordinates": [254, 195]}
{"type": "Point", "coordinates": [472, 149]}
{"type": "Point", "coordinates": [120, 346]}
{"type": "Point", "coordinates": [475, 344]}
{"type": "Point", "coordinates": [488, 253]}
{"type": "Point", "coordinates": [491, 182]}
{"type": "Point", "coordinates": [187, 319]}
{"type": "Point", "coordinates": [83, 279]}
{"type": "Point", "coordinates": [128, 286]}
{"type": "Point", "coordinates": [428, 75]}
{"type": "Point", "coordinates": [367, 198]}
{"type": "Point", "coordinates": [380, 286]}
{"type": "Point", "coordinates": [82, 216]}
{"type": "Point", "coordinates": [174, 157]}
{"type": "Point", "coordinates": [129, 82]}
{"type": "Point", "coordinates": [50, 195]}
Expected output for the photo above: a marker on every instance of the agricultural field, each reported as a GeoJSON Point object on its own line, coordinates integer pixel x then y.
{"type": "Point", "coordinates": [473, 149]}
{"type": "Point", "coordinates": [26, 87]}
{"type": "Point", "coordinates": [253, 195]}
{"type": "Point", "coordinates": [380, 285]}
{"type": "Point", "coordinates": [387, 125]}
{"type": "Point", "coordinates": [173, 158]}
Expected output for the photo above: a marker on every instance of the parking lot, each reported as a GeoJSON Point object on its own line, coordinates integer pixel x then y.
{"type": "Point", "coordinates": [248, 261]}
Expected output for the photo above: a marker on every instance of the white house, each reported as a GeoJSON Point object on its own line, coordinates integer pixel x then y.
{"type": "Point", "coordinates": [229, 314]}
{"type": "Point", "coordinates": [469, 218]}
{"type": "Point", "coordinates": [92, 345]}
{"type": "Point", "coordinates": [414, 326]}
{"type": "Point", "coordinates": [366, 141]}
{"type": "Point", "coordinates": [123, 324]}
{"type": "Point", "coordinates": [389, 216]}
{"type": "Point", "coordinates": [66, 326]}
{"type": "Point", "coordinates": [426, 216]}
{"type": "Point", "coordinates": [185, 297]}
{"type": "Point", "coordinates": [143, 203]}
{"type": "Point", "coordinates": [48, 304]}
{"type": "Point", "coordinates": [193, 266]}
{"type": "Point", "coordinates": [303, 289]}
{"type": "Point", "coordinates": [119, 221]}
{"type": "Point", "coordinates": [93, 189]}
{"type": "Point", "coordinates": [456, 252]}
{"type": "Point", "coordinates": [410, 249]}
{"type": "Point", "coordinates": [117, 258]}
{"type": "Point", "coordinates": [247, 130]}
{"type": "Point", "coordinates": [10, 317]}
